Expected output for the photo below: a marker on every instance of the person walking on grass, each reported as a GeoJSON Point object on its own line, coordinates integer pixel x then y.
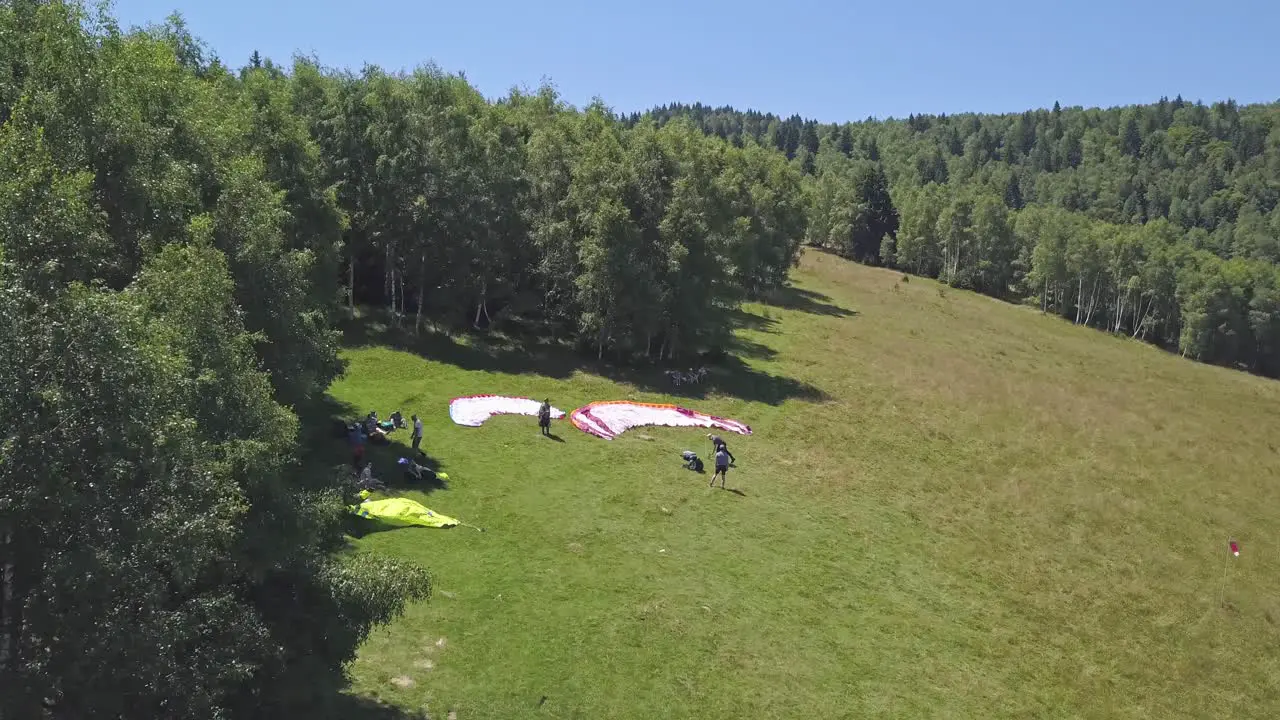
{"type": "Point", "coordinates": [718, 444]}
{"type": "Point", "coordinates": [544, 417]}
{"type": "Point", "coordinates": [722, 466]}
{"type": "Point", "coordinates": [417, 432]}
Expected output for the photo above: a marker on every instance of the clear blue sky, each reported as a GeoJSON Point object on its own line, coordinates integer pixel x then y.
{"type": "Point", "coordinates": [824, 59]}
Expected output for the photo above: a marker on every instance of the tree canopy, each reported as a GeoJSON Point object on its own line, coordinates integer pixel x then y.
{"type": "Point", "coordinates": [1161, 221]}
{"type": "Point", "coordinates": [168, 261]}
{"type": "Point", "coordinates": [178, 240]}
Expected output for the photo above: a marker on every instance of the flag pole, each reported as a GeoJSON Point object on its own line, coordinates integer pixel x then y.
{"type": "Point", "coordinates": [1233, 550]}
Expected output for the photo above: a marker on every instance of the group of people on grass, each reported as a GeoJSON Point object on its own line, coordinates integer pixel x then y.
{"type": "Point", "coordinates": [370, 429]}
{"type": "Point", "coordinates": [723, 457]}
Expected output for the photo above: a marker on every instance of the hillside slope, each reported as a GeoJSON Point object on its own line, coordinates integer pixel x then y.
{"type": "Point", "coordinates": [950, 507]}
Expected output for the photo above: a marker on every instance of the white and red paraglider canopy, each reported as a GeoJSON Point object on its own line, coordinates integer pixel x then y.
{"type": "Point", "coordinates": [612, 418]}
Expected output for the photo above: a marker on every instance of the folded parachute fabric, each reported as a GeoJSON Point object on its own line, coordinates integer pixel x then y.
{"type": "Point", "coordinates": [612, 418]}
{"type": "Point", "coordinates": [400, 512]}
{"type": "Point", "coordinates": [473, 410]}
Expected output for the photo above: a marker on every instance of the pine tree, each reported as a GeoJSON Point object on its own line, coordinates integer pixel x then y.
{"type": "Point", "coordinates": [809, 137]}
{"type": "Point", "coordinates": [845, 141]}
{"type": "Point", "coordinates": [1013, 192]}
{"type": "Point", "coordinates": [1130, 137]}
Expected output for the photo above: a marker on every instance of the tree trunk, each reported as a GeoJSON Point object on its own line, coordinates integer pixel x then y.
{"type": "Point", "coordinates": [482, 306]}
{"type": "Point", "coordinates": [7, 625]}
{"type": "Point", "coordinates": [1140, 318]}
{"type": "Point", "coordinates": [1093, 302]}
{"type": "Point", "coordinates": [422, 290]}
{"type": "Point", "coordinates": [648, 345]}
{"type": "Point", "coordinates": [403, 312]}
{"type": "Point", "coordinates": [389, 282]}
{"type": "Point", "coordinates": [1079, 297]}
{"type": "Point", "coordinates": [395, 307]}
{"type": "Point", "coordinates": [1120, 298]}
{"type": "Point", "coordinates": [1145, 325]}
{"type": "Point", "coordinates": [351, 284]}
{"type": "Point", "coordinates": [1044, 298]}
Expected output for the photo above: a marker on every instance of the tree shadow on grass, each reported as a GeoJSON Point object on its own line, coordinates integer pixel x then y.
{"type": "Point", "coordinates": [531, 355]}
{"type": "Point", "coordinates": [354, 707]}
{"type": "Point", "coordinates": [325, 452]}
{"type": "Point", "coordinates": [749, 348]}
{"type": "Point", "coordinates": [806, 301]}
{"type": "Point", "coordinates": [731, 377]}
{"type": "Point", "coordinates": [321, 450]}
{"type": "Point", "coordinates": [748, 320]}
{"type": "Point", "coordinates": [386, 465]}
{"type": "Point", "coordinates": [485, 352]}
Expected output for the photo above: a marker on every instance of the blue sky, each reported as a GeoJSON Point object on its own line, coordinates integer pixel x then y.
{"type": "Point", "coordinates": [827, 60]}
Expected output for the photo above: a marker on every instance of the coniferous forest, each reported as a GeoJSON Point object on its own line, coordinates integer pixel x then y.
{"type": "Point", "coordinates": [1158, 221]}
{"type": "Point", "coordinates": [180, 235]}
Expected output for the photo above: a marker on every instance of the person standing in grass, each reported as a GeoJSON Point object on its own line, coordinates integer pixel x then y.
{"type": "Point", "coordinates": [356, 438]}
{"type": "Point", "coordinates": [417, 432]}
{"type": "Point", "coordinates": [722, 466]}
{"type": "Point", "coordinates": [718, 444]}
{"type": "Point", "coordinates": [544, 417]}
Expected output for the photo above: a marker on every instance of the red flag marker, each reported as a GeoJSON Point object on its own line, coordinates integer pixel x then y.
{"type": "Point", "coordinates": [1235, 549]}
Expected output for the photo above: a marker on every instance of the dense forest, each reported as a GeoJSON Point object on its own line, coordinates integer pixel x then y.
{"type": "Point", "coordinates": [633, 242]}
{"type": "Point", "coordinates": [180, 238]}
{"type": "Point", "coordinates": [1160, 221]}
{"type": "Point", "coordinates": [178, 241]}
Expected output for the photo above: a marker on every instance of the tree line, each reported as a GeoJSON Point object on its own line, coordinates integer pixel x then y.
{"type": "Point", "coordinates": [178, 240]}
{"type": "Point", "coordinates": [1161, 221]}
{"type": "Point", "coordinates": [629, 241]}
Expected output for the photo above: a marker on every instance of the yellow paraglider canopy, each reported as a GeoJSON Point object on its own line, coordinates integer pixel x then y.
{"type": "Point", "coordinates": [400, 512]}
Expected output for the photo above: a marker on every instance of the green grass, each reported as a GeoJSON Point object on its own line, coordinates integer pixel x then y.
{"type": "Point", "coordinates": [951, 507]}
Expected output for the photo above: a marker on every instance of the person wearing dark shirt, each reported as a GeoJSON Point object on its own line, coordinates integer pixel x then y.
{"type": "Point", "coordinates": [357, 438]}
{"type": "Point", "coordinates": [544, 417]}
{"type": "Point", "coordinates": [718, 444]}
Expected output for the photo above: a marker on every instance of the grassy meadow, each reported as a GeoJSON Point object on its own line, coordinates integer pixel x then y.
{"type": "Point", "coordinates": [951, 507]}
